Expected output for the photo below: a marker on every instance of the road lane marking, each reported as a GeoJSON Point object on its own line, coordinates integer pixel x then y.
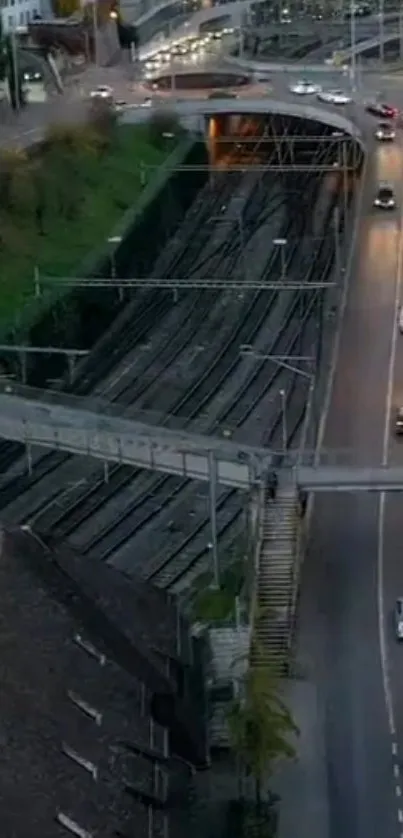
{"type": "Point", "coordinates": [382, 505]}
{"type": "Point", "coordinates": [398, 791]}
{"type": "Point", "coordinates": [396, 770]}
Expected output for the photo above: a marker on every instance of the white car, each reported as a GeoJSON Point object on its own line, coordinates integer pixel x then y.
{"type": "Point", "coordinates": [385, 198]}
{"type": "Point", "coordinates": [334, 97]}
{"type": "Point", "coordinates": [385, 132]}
{"type": "Point", "coordinates": [103, 91]}
{"type": "Point", "coordinates": [303, 88]}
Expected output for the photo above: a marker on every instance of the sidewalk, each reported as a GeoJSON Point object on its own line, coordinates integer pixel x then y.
{"type": "Point", "coordinates": [303, 785]}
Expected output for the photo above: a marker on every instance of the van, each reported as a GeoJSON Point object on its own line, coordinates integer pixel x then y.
{"type": "Point", "coordinates": [401, 320]}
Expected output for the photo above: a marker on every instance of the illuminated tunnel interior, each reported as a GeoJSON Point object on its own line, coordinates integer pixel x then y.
{"type": "Point", "coordinates": [283, 143]}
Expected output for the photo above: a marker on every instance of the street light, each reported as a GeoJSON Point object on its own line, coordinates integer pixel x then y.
{"type": "Point", "coordinates": [282, 243]}
{"type": "Point", "coordinates": [284, 429]}
{"type": "Point", "coordinates": [114, 240]}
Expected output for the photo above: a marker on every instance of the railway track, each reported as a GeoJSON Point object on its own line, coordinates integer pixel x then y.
{"type": "Point", "coordinates": [49, 463]}
{"type": "Point", "coordinates": [166, 490]}
{"type": "Point", "coordinates": [156, 495]}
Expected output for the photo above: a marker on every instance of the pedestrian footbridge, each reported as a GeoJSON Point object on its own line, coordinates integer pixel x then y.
{"type": "Point", "coordinates": [352, 478]}
{"type": "Point", "coordinates": [92, 428]}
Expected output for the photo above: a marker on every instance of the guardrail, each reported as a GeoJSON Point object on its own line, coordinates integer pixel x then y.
{"type": "Point", "coordinates": [251, 583]}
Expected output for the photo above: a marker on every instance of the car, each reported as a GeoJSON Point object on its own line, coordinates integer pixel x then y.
{"type": "Point", "coordinates": [334, 97]}
{"type": "Point", "coordinates": [385, 198]}
{"type": "Point", "coordinates": [399, 422]}
{"type": "Point", "coordinates": [302, 88]}
{"type": "Point", "coordinates": [398, 618]}
{"type": "Point", "coordinates": [385, 131]}
{"type": "Point", "coordinates": [120, 105]}
{"type": "Point", "coordinates": [103, 91]}
{"type": "Point", "coordinates": [382, 110]}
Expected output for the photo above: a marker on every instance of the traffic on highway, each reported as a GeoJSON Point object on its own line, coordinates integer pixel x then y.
{"type": "Point", "coordinates": [353, 579]}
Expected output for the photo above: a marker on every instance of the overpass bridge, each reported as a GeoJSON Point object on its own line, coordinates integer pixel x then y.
{"type": "Point", "coordinates": [96, 429]}
{"type": "Point", "coordinates": [377, 41]}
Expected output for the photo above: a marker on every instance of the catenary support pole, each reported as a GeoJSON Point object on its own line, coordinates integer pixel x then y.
{"type": "Point", "coordinates": [284, 429]}
{"type": "Point", "coordinates": [213, 516]}
{"type": "Point", "coordinates": [345, 180]}
{"type": "Point", "coordinates": [23, 364]}
{"type": "Point", "coordinates": [28, 451]}
{"type": "Point", "coordinates": [336, 228]}
{"type": "Point", "coordinates": [71, 362]}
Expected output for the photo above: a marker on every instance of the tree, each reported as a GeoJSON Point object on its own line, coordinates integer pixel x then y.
{"type": "Point", "coordinates": [261, 727]}
{"type": "Point", "coordinates": [67, 149]}
{"type": "Point", "coordinates": [102, 120]}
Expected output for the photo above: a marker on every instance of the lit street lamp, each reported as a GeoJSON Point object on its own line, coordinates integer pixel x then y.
{"type": "Point", "coordinates": [284, 429]}
{"type": "Point", "coordinates": [282, 244]}
{"type": "Point", "coordinates": [114, 240]}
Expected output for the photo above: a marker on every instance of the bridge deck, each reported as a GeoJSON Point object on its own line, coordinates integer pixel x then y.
{"type": "Point", "coordinates": [52, 420]}
{"type": "Point", "coordinates": [78, 426]}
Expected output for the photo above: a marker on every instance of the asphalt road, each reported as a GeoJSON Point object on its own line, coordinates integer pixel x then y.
{"type": "Point", "coordinates": [339, 623]}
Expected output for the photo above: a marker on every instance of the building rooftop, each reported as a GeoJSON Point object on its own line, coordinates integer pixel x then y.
{"type": "Point", "coordinates": [80, 753]}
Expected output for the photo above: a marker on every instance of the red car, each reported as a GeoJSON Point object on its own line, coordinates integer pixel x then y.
{"type": "Point", "coordinates": [382, 110]}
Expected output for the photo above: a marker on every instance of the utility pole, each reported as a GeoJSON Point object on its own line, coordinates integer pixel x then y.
{"type": "Point", "coordinates": [284, 427]}
{"type": "Point", "coordinates": [353, 42]}
{"type": "Point", "coordinates": [282, 244]}
{"type": "Point", "coordinates": [212, 462]}
{"type": "Point", "coordinates": [336, 228]}
{"type": "Point", "coordinates": [94, 9]}
{"type": "Point", "coordinates": [382, 31]}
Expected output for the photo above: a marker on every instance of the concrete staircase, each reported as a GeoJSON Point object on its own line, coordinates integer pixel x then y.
{"type": "Point", "coordinates": [275, 583]}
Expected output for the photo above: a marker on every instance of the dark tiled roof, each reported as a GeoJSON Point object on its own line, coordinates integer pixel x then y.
{"type": "Point", "coordinates": [66, 711]}
{"type": "Point", "coordinates": [144, 613]}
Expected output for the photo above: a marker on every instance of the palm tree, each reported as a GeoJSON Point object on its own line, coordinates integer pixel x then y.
{"type": "Point", "coordinates": [261, 727]}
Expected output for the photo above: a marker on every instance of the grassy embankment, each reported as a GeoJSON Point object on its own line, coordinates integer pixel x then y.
{"type": "Point", "coordinates": [60, 205]}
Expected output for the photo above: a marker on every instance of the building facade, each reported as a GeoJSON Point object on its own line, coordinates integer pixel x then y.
{"type": "Point", "coordinates": [17, 14]}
